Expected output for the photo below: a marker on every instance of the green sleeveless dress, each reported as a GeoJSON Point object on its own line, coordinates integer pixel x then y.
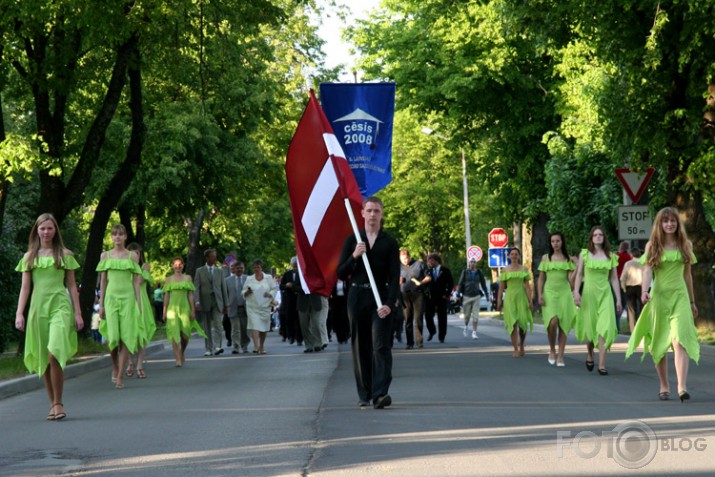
{"type": "Point", "coordinates": [178, 311]}
{"type": "Point", "coordinates": [558, 297]}
{"type": "Point", "coordinates": [516, 304]}
{"type": "Point", "coordinates": [122, 316]}
{"type": "Point", "coordinates": [49, 327]}
{"type": "Point", "coordinates": [597, 314]}
{"type": "Point", "coordinates": [668, 315]}
{"type": "Point", "coordinates": [147, 324]}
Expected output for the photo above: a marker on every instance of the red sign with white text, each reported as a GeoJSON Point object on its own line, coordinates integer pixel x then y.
{"type": "Point", "coordinates": [498, 238]}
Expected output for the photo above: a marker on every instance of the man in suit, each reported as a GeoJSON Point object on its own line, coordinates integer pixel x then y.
{"type": "Point", "coordinates": [211, 301]}
{"type": "Point", "coordinates": [440, 291]}
{"type": "Point", "coordinates": [289, 300]}
{"type": "Point", "coordinates": [237, 308]}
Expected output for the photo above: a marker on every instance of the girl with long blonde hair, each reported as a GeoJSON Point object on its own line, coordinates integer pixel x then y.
{"type": "Point", "coordinates": [50, 332]}
{"type": "Point", "coordinates": [667, 320]}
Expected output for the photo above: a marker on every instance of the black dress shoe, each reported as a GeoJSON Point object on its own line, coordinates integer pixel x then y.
{"type": "Point", "coordinates": [228, 343]}
{"type": "Point", "coordinates": [218, 351]}
{"type": "Point", "coordinates": [324, 346]}
{"type": "Point", "coordinates": [317, 348]}
{"type": "Point", "coordinates": [399, 338]}
{"type": "Point", "coordinates": [234, 351]}
{"type": "Point", "coordinates": [291, 341]}
{"type": "Point", "coordinates": [309, 350]}
{"type": "Point", "coordinates": [382, 402]}
{"type": "Point", "coordinates": [429, 338]}
{"type": "Point", "coordinates": [409, 346]}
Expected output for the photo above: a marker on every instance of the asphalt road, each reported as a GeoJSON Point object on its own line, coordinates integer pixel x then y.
{"type": "Point", "coordinates": [462, 408]}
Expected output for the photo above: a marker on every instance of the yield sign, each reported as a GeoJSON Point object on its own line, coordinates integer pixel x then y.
{"type": "Point", "coordinates": [634, 182]}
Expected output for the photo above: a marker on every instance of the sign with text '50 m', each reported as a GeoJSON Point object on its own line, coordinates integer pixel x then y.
{"type": "Point", "coordinates": [634, 222]}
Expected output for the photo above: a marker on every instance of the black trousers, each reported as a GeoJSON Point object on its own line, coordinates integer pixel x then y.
{"type": "Point", "coordinates": [371, 335]}
{"type": "Point", "coordinates": [633, 302]}
{"type": "Point", "coordinates": [430, 310]}
{"type": "Point", "coordinates": [439, 306]}
{"type": "Point", "coordinates": [413, 308]}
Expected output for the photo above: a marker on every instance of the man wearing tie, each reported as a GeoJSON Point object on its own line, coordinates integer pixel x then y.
{"type": "Point", "coordinates": [237, 307]}
{"type": "Point", "coordinates": [211, 301]}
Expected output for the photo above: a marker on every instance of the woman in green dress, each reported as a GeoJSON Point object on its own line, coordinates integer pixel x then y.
{"type": "Point", "coordinates": [596, 319]}
{"type": "Point", "coordinates": [119, 302]}
{"type": "Point", "coordinates": [668, 316]}
{"type": "Point", "coordinates": [147, 324]}
{"type": "Point", "coordinates": [517, 301]}
{"type": "Point", "coordinates": [50, 330]}
{"type": "Point", "coordinates": [555, 296]}
{"type": "Point", "coordinates": [179, 310]}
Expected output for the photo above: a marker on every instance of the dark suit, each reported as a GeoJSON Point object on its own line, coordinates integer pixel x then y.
{"type": "Point", "coordinates": [290, 304]}
{"type": "Point", "coordinates": [440, 290]}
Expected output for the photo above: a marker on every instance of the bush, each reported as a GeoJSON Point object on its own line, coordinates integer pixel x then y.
{"type": "Point", "coordinates": [10, 282]}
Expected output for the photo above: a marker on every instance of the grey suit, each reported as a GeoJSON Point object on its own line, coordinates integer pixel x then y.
{"type": "Point", "coordinates": [237, 311]}
{"type": "Point", "coordinates": [212, 295]}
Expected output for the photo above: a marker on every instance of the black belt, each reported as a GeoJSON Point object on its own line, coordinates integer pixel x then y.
{"type": "Point", "coordinates": [360, 285]}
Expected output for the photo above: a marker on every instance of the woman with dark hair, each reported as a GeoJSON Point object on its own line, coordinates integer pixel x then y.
{"type": "Point", "coordinates": [668, 317]}
{"type": "Point", "coordinates": [596, 320]}
{"type": "Point", "coordinates": [555, 296]}
{"type": "Point", "coordinates": [120, 302]}
{"type": "Point", "coordinates": [50, 332]}
{"type": "Point", "coordinates": [259, 291]}
{"type": "Point", "coordinates": [180, 310]}
{"type": "Point", "coordinates": [517, 301]}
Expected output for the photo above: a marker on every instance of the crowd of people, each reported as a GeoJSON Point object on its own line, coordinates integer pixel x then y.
{"type": "Point", "coordinates": [583, 293]}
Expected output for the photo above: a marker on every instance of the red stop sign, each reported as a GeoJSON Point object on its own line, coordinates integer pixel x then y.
{"type": "Point", "coordinates": [498, 238]}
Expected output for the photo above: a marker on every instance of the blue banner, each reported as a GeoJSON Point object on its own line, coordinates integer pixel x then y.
{"type": "Point", "coordinates": [361, 115]}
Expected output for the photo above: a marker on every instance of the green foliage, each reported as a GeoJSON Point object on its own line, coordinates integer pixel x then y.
{"type": "Point", "coordinates": [10, 281]}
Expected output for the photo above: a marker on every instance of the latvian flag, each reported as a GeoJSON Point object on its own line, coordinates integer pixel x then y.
{"type": "Point", "coordinates": [319, 179]}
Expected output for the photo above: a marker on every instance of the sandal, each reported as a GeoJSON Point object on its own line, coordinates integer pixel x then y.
{"type": "Point", "coordinates": [51, 415]}
{"type": "Point", "coordinates": [664, 396]}
{"type": "Point", "coordinates": [602, 371]}
{"type": "Point", "coordinates": [140, 374]}
{"type": "Point", "coordinates": [130, 370]}
{"type": "Point", "coordinates": [119, 385]}
{"type": "Point", "coordinates": [589, 365]}
{"type": "Point", "coordinates": [60, 415]}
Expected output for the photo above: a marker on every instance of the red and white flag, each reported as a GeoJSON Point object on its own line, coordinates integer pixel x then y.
{"type": "Point", "coordinates": [319, 179]}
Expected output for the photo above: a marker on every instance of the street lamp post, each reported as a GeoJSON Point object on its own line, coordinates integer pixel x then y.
{"type": "Point", "coordinates": [467, 226]}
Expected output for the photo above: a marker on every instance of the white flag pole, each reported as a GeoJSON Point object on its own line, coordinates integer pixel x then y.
{"type": "Point", "coordinates": [365, 261]}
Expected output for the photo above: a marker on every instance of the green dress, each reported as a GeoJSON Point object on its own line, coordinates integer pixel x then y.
{"type": "Point", "coordinates": [557, 294]}
{"type": "Point", "coordinates": [178, 311]}
{"type": "Point", "coordinates": [121, 311]}
{"type": "Point", "coordinates": [516, 304]}
{"type": "Point", "coordinates": [668, 315]}
{"type": "Point", "coordinates": [49, 328]}
{"type": "Point", "coordinates": [597, 314]}
{"type": "Point", "coordinates": [147, 324]}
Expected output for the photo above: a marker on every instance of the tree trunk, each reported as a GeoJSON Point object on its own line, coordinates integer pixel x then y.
{"type": "Point", "coordinates": [539, 240]}
{"type": "Point", "coordinates": [4, 184]}
{"type": "Point", "coordinates": [55, 197]}
{"type": "Point", "coordinates": [119, 183]}
{"type": "Point", "coordinates": [140, 232]}
{"type": "Point", "coordinates": [125, 218]}
{"type": "Point", "coordinates": [194, 258]}
{"type": "Point", "coordinates": [701, 234]}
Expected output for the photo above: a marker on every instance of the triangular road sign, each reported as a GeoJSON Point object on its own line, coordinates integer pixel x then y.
{"type": "Point", "coordinates": [634, 182]}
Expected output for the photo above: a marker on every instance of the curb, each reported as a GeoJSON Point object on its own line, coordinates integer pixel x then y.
{"type": "Point", "coordinates": [32, 382]}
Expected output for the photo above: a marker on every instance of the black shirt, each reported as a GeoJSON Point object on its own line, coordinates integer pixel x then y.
{"type": "Point", "coordinates": [384, 258]}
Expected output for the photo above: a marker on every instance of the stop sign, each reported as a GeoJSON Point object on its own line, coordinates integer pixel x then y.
{"type": "Point", "coordinates": [498, 238]}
